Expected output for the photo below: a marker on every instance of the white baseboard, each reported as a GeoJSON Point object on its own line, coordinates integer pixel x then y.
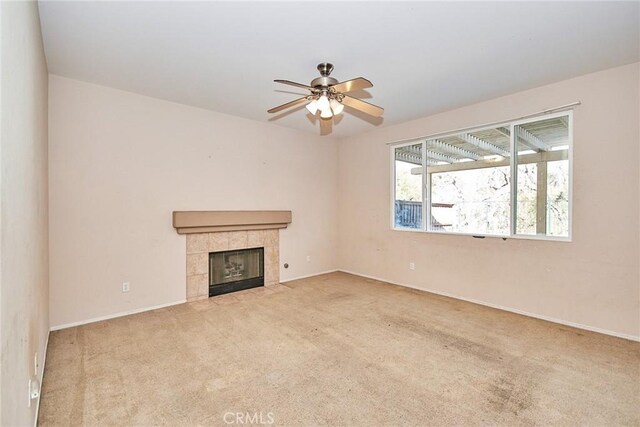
{"type": "Point", "coordinates": [501, 307]}
{"type": "Point", "coordinates": [308, 275]}
{"type": "Point", "coordinates": [41, 378]}
{"type": "Point", "coordinates": [113, 316]}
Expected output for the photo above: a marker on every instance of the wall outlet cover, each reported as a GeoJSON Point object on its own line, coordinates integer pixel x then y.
{"type": "Point", "coordinates": [34, 390]}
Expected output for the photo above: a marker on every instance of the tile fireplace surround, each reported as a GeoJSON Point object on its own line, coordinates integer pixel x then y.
{"type": "Point", "coordinates": [215, 231]}
{"type": "Point", "coordinates": [199, 246]}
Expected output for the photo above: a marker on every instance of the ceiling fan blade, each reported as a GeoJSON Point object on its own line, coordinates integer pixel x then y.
{"type": "Point", "coordinates": [351, 85]}
{"type": "Point", "coordinates": [358, 104]}
{"type": "Point", "coordinates": [290, 83]}
{"type": "Point", "coordinates": [287, 105]}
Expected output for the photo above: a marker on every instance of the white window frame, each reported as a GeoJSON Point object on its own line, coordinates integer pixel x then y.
{"type": "Point", "coordinates": [426, 203]}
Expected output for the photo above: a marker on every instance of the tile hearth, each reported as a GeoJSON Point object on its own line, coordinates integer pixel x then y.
{"type": "Point", "coordinates": [199, 245]}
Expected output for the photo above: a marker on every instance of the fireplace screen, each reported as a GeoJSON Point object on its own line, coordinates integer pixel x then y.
{"type": "Point", "coordinates": [237, 270]}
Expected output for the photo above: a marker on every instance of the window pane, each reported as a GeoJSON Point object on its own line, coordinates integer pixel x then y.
{"type": "Point", "coordinates": [526, 211]}
{"type": "Point", "coordinates": [558, 198]}
{"type": "Point", "coordinates": [469, 182]}
{"type": "Point", "coordinates": [542, 206]}
{"type": "Point", "coordinates": [471, 201]}
{"type": "Point", "coordinates": [408, 187]}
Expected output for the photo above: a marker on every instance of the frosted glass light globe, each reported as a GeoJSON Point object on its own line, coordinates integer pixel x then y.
{"type": "Point", "coordinates": [312, 107]}
{"type": "Point", "coordinates": [336, 106]}
{"type": "Point", "coordinates": [323, 103]}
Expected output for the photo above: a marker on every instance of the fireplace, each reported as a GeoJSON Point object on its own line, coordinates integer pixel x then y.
{"type": "Point", "coordinates": [215, 231]}
{"type": "Point", "coordinates": [235, 270]}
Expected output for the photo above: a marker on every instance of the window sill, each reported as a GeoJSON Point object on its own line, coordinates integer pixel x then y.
{"type": "Point", "coordinates": [491, 236]}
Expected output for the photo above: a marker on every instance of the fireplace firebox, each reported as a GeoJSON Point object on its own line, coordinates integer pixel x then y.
{"type": "Point", "coordinates": [236, 270]}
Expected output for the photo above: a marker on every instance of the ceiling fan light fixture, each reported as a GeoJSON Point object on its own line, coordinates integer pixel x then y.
{"type": "Point", "coordinates": [323, 103]}
{"type": "Point", "coordinates": [336, 106]}
{"type": "Point", "coordinates": [312, 107]}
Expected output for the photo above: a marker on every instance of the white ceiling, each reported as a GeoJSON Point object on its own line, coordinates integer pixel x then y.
{"type": "Point", "coordinates": [422, 57]}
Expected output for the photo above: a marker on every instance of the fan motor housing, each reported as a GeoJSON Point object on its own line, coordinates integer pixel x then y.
{"type": "Point", "coordinates": [323, 81]}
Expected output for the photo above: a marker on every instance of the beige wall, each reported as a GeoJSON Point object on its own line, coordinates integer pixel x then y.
{"type": "Point", "coordinates": [24, 292]}
{"type": "Point", "coordinates": [593, 281]}
{"type": "Point", "coordinates": [120, 163]}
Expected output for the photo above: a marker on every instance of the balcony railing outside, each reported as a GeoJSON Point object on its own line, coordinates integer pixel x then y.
{"type": "Point", "coordinates": [408, 214]}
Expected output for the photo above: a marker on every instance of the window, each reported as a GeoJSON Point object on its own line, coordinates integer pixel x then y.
{"type": "Point", "coordinates": [542, 165]}
{"type": "Point", "coordinates": [510, 180]}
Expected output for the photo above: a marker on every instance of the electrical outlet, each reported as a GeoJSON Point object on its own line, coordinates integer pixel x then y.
{"type": "Point", "coordinates": [34, 391]}
{"type": "Point", "coordinates": [125, 286]}
{"type": "Point", "coordinates": [412, 266]}
{"type": "Point", "coordinates": [308, 258]}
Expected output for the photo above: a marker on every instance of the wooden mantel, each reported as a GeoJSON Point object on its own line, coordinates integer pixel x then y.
{"type": "Point", "coordinates": [187, 222]}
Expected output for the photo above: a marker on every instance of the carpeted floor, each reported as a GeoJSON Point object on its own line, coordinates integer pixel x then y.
{"type": "Point", "coordinates": [334, 350]}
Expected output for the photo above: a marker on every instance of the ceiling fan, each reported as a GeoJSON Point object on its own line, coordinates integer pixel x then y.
{"type": "Point", "coordinates": [329, 96]}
